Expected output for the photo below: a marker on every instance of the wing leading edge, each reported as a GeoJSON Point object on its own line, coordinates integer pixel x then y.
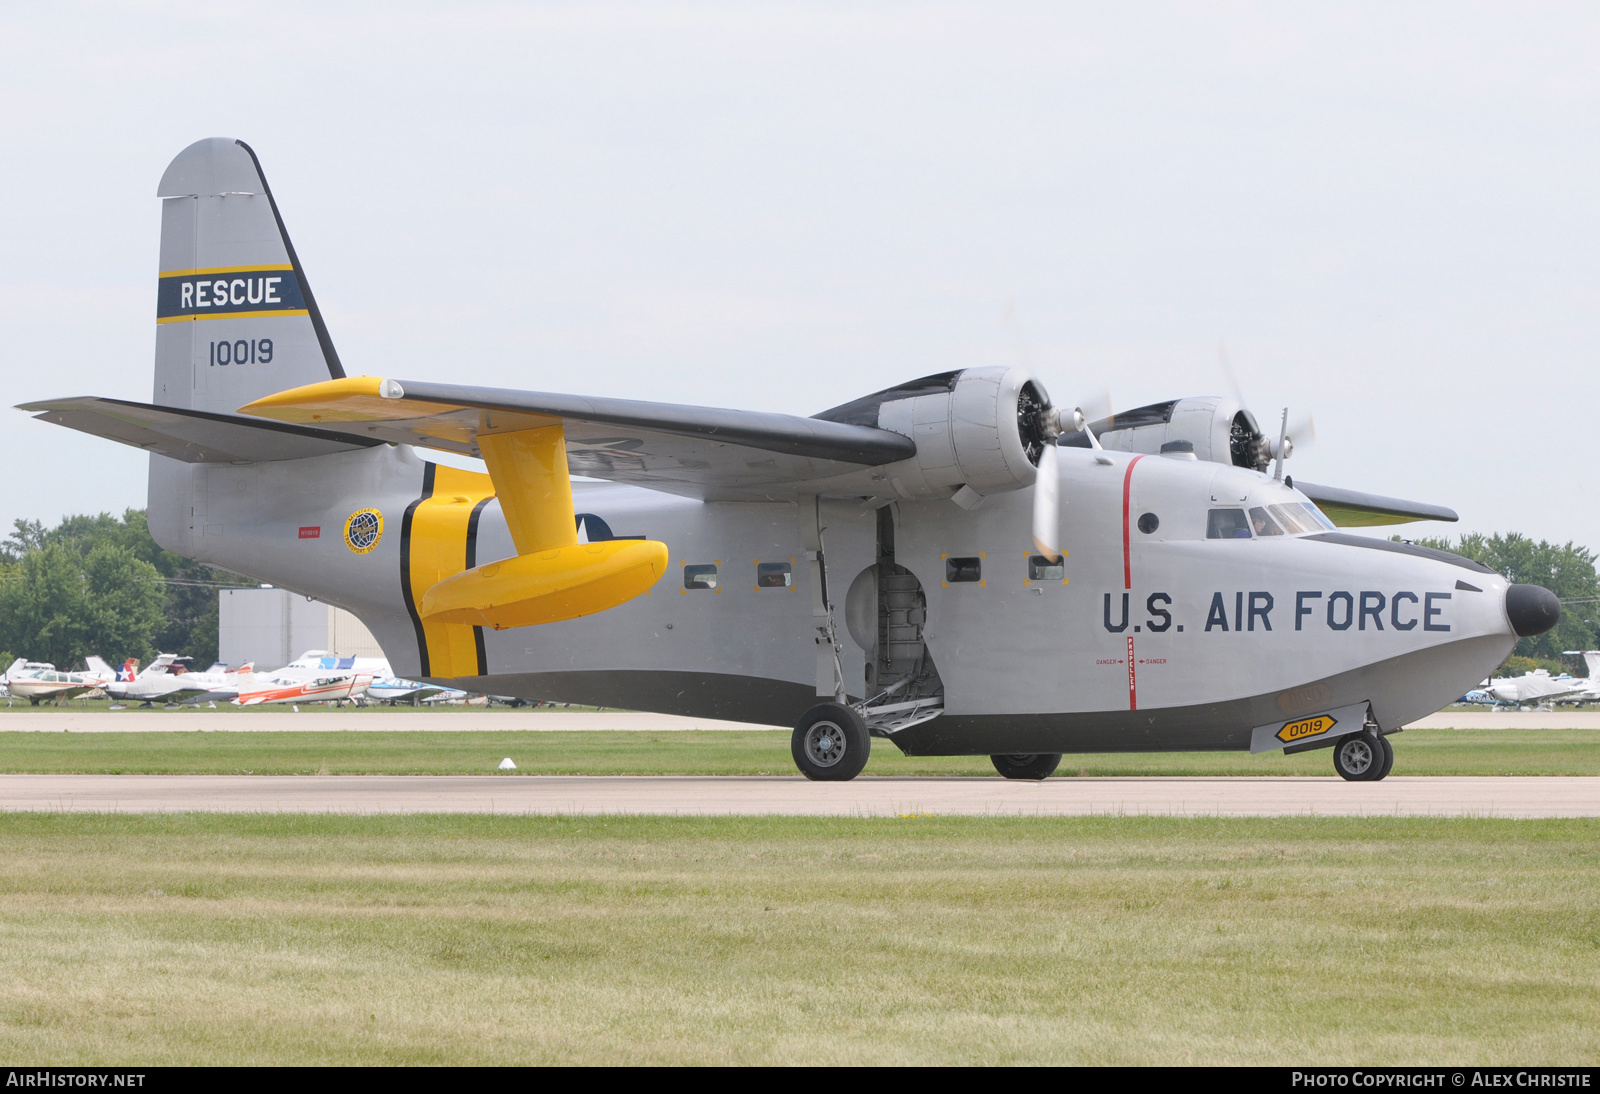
{"type": "Point", "coordinates": [696, 451]}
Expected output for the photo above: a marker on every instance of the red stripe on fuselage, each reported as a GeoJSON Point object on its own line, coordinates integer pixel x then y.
{"type": "Point", "coordinates": [1127, 554]}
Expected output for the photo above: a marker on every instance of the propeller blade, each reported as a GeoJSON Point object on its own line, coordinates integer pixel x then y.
{"type": "Point", "coordinates": [1098, 408]}
{"type": "Point", "coordinates": [1047, 506]}
{"type": "Point", "coordinates": [1303, 431]}
{"type": "Point", "coordinates": [1226, 368]}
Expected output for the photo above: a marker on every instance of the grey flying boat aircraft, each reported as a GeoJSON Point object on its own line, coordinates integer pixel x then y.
{"type": "Point", "coordinates": [953, 564]}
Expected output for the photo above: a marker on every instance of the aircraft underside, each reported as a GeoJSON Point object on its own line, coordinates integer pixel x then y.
{"type": "Point", "coordinates": [1406, 688]}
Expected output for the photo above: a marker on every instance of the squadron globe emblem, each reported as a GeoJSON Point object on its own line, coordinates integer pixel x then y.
{"type": "Point", "coordinates": [363, 530]}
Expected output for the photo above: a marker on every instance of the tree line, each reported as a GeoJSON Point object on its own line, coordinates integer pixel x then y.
{"type": "Point", "coordinates": [1565, 569]}
{"type": "Point", "coordinates": [101, 585]}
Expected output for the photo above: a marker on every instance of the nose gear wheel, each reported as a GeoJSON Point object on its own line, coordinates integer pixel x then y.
{"type": "Point", "coordinates": [1363, 757]}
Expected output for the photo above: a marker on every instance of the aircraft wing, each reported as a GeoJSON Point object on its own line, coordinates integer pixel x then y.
{"type": "Point", "coordinates": [194, 436]}
{"type": "Point", "coordinates": [1353, 509]}
{"type": "Point", "coordinates": [690, 450]}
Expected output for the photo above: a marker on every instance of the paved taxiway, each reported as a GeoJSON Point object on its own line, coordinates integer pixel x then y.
{"type": "Point", "coordinates": [1489, 796]}
{"type": "Point", "coordinates": [354, 721]}
{"type": "Point", "coordinates": [70, 720]}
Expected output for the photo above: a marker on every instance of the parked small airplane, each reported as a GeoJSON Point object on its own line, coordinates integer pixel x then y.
{"type": "Point", "coordinates": [392, 690]}
{"type": "Point", "coordinates": [255, 690]}
{"type": "Point", "coordinates": [862, 572]}
{"type": "Point", "coordinates": [1537, 686]}
{"type": "Point", "coordinates": [170, 677]}
{"type": "Point", "coordinates": [318, 664]}
{"type": "Point", "coordinates": [1588, 687]}
{"type": "Point", "coordinates": [39, 680]}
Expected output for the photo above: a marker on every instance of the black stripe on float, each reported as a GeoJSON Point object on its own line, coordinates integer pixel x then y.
{"type": "Point", "coordinates": [472, 560]}
{"type": "Point", "coordinates": [428, 470]}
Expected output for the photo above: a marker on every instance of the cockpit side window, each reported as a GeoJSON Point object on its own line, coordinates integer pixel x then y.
{"type": "Point", "coordinates": [1263, 524]}
{"type": "Point", "coordinates": [1227, 524]}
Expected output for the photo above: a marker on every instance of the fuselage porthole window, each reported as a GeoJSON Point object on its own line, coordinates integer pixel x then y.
{"type": "Point", "coordinates": [963, 568]}
{"type": "Point", "coordinates": [700, 576]}
{"type": "Point", "coordinates": [1227, 524]}
{"type": "Point", "coordinates": [1045, 569]}
{"type": "Point", "coordinates": [1148, 523]}
{"type": "Point", "coordinates": [774, 575]}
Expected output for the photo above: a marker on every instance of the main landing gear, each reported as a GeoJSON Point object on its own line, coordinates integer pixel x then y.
{"type": "Point", "coordinates": [1026, 765]}
{"type": "Point", "coordinates": [830, 743]}
{"type": "Point", "coordinates": [1363, 757]}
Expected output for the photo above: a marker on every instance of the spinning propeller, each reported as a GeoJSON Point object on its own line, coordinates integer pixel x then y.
{"type": "Point", "coordinates": [1258, 449]}
{"type": "Point", "coordinates": [1047, 485]}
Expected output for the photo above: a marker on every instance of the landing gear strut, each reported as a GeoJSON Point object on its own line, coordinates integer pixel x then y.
{"type": "Point", "coordinates": [1363, 757]}
{"type": "Point", "coordinates": [1026, 765]}
{"type": "Point", "coordinates": [830, 743]}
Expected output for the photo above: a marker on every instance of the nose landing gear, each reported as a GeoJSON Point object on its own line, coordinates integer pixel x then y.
{"type": "Point", "coordinates": [1363, 757]}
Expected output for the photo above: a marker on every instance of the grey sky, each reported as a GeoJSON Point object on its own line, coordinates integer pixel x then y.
{"type": "Point", "coordinates": [1388, 211]}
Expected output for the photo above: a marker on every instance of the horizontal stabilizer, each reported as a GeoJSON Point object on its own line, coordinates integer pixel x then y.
{"type": "Point", "coordinates": [193, 436]}
{"type": "Point", "coordinates": [1353, 509]}
{"type": "Point", "coordinates": [684, 449]}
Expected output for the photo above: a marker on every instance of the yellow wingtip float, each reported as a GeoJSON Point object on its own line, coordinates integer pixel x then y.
{"type": "Point", "coordinates": [553, 576]}
{"type": "Point", "coordinates": [563, 583]}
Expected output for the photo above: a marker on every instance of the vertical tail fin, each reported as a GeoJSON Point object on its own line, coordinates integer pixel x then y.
{"type": "Point", "coordinates": [1592, 659]}
{"type": "Point", "coordinates": [235, 317]}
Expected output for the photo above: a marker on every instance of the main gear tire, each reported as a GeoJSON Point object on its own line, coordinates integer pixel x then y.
{"type": "Point", "coordinates": [830, 743]}
{"type": "Point", "coordinates": [1388, 759]}
{"type": "Point", "coordinates": [1358, 757]}
{"type": "Point", "coordinates": [1036, 766]}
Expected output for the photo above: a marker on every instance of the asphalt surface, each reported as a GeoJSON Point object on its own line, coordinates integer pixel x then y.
{"type": "Point", "coordinates": [70, 719]}
{"type": "Point", "coordinates": [1488, 796]}
{"type": "Point", "coordinates": [350, 719]}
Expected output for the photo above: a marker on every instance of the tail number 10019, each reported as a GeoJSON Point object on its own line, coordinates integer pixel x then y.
{"type": "Point", "coordinates": [246, 351]}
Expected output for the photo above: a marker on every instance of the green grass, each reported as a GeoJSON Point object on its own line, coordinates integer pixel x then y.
{"type": "Point", "coordinates": [299, 939]}
{"type": "Point", "coordinates": [715, 752]}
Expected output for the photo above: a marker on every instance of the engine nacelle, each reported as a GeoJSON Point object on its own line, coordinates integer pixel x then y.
{"type": "Point", "coordinates": [980, 428]}
{"type": "Point", "coordinates": [1220, 429]}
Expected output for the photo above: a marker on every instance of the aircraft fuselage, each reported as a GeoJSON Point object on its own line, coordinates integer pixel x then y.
{"type": "Point", "coordinates": [1152, 635]}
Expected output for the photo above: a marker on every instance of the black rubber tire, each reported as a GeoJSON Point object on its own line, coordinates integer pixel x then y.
{"type": "Point", "coordinates": [1358, 757]}
{"type": "Point", "coordinates": [1027, 765]}
{"type": "Point", "coordinates": [1388, 760]}
{"type": "Point", "coordinates": [830, 743]}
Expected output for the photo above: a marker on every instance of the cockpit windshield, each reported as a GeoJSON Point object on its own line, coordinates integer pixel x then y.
{"type": "Point", "coordinates": [1295, 518]}
{"type": "Point", "coordinates": [1318, 516]}
{"type": "Point", "coordinates": [1263, 524]}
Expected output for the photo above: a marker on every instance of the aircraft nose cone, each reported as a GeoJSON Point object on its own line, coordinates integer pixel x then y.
{"type": "Point", "coordinates": [1532, 609]}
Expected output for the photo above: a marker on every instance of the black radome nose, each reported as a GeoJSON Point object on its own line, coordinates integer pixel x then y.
{"type": "Point", "coordinates": [1532, 609]}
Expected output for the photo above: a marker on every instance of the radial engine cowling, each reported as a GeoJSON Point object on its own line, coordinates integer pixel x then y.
{"type": "Point", "coordinates": [1220, 429]}
{"type": "Point", "coordinates": [980, 428]}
